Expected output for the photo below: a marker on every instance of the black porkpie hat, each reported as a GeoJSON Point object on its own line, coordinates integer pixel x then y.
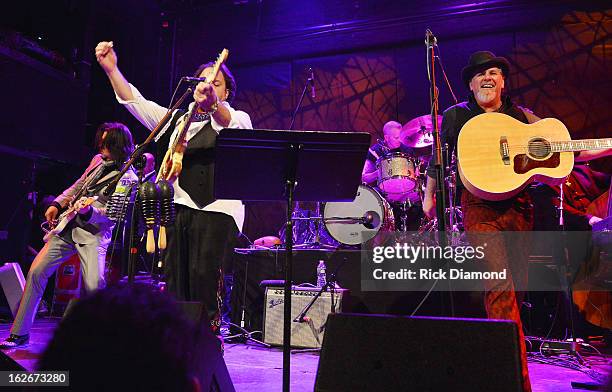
{"type": "Point", "coordinates": [480, 61]}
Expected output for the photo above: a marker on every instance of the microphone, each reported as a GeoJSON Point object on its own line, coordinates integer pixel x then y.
{"type": "Point", "coordinates": [430, 38]}
{"type": "Point", "coordinates": [192, 80]}
{"type": "Point", "coordinates": [148, 194]}
{"type": "Point", "coordinates": [371, 219]}
{"type": "Point", "coordinates": [311, 79]}
{"type": "Point", "coordinates": [167, 212]}
{"type": "Point", "coordinates": [116, 207]}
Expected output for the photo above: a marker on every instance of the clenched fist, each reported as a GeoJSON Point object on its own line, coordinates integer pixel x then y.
{"type": "Point", "coordinates": [106, 56]}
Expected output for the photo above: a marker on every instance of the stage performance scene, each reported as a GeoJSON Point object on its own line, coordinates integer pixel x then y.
{"type": "Point", "coordinates": [258, 195]}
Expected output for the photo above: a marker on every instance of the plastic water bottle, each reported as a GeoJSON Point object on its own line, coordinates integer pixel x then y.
{"type": "Point", "coordinates": [321, 274]}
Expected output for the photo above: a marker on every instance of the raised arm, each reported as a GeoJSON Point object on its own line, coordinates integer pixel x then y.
{"type": "Point", "coordinates": [107, 58]}
{"type": "Point", "coordinates": [147, 112]}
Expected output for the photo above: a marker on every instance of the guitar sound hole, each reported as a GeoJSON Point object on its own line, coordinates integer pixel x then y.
{"type": "Point", "coordinates": [539, 148]}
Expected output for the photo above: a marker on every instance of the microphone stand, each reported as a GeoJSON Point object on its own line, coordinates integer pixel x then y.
{"type": "Point", "coordinates": [140, 149]}
{"type": "Point", "coordinates": [330, 286]}
{"type": "Point", "coordinates": [299, 105]}
{"type": "Point", "coordinates": [133, 250]}
{"type": "Point", "coordinates": [441, 203]}
{"type": "Point", "coordinates": [438, 163]}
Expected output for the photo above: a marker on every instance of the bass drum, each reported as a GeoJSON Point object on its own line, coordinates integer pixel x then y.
{"type": "Point", "coordinates": [358, 221]}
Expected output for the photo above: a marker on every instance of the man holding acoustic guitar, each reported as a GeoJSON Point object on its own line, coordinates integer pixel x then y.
{"type": "Point", "coordinates": [83, 228]}
{"type": "Point", "coordinates": [494, 170]}
{"type": "Point", "coordinates": [201, 239]}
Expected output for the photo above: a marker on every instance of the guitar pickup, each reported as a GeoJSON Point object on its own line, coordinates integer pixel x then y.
{"type": "Point", "coordinates": [504, 150]}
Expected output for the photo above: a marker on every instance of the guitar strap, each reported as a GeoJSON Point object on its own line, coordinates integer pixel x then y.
{"type": "Point", "coordinates": [531, 118]}
{"type": "Point", "coordinates": [162, 142]}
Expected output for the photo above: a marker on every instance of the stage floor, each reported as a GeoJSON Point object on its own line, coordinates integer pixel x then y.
{"type": "Point", "coordinates": [254, 368]}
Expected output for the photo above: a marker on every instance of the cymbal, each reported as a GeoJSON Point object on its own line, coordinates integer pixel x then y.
{"type": "Point", "coordinates": [417, 133]}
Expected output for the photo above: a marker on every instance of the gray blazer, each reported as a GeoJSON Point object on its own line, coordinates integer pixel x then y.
{"type": "Point", "coordinates": [97, 228]}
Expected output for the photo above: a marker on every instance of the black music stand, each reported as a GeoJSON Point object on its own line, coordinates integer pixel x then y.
{"type": "Point", "coordinates": [267, 165]}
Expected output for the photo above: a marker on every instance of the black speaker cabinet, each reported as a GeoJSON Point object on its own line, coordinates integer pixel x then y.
{"type": "Point", "coordinates": [386, 353]}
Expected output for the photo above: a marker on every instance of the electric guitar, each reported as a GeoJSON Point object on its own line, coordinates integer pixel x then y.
{"type": "Point", "coordinates": [499, 155]}
{"type": "Point", "coordinates": [172, 164]}
{"type": "Point", "coordinates": [65, 217]}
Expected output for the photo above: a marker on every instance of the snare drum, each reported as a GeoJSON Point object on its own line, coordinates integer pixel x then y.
{"type": "Point", "coordinates": [369, 207]}
{"type": "Point", "coordinates": [397, 176]}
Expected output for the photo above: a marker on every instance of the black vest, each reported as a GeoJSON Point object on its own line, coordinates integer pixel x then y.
{"type": "Point", "coordinates": [198, 175]}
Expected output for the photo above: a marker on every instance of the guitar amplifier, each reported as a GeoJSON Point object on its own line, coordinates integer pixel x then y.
{"type": "Point", "coordinates": [307, 334]}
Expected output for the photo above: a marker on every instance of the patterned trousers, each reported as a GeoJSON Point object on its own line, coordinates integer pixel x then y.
{"type": "Point", "coordinates": [491, 218]}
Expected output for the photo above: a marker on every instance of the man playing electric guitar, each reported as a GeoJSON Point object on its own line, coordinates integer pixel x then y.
{"type": "Point", "coordinates": [200, 241]}
{"type": "Point", "coordinates": [88, 233]}
{"type": "Point", "coordinates": [485, 76]}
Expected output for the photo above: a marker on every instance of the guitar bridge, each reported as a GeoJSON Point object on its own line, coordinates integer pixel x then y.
{"type": "Point", "coordinates": [504, 150]}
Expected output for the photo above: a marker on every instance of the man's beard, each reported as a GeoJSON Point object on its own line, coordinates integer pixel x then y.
{"type": "Point", "coordinates": [486, 96]}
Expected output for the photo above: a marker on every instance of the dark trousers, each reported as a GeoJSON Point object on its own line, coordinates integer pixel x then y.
{"type": "Point", "coordinates": [200, 243]}
{"type": "Point", "coordinates": [491, 218]}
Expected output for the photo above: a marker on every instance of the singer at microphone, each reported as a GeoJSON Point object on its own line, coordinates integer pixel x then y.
{"type": "Point", "coordinates": [200, 241]}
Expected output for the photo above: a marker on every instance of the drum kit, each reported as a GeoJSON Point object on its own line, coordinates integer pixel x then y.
{"type": "Point", "coordinates": [393, 204]}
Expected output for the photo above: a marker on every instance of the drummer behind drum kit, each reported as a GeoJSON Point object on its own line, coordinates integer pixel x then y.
{"type": "Point", "coordinates": [385, 208]}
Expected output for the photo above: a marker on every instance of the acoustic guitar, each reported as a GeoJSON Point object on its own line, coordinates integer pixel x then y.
{"type": "Point", "coordinates": [499, 155]}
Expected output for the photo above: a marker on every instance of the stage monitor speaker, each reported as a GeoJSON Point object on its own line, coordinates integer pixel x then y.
{"type": "Point", "coordinates": [307, 334]}
{"type": "Point", "coordinates": [13, 283]}
{"type": "Point", "coordinates": [386, 353]}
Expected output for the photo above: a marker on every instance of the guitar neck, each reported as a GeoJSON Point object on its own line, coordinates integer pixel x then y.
{"type": "Point", "coordinates": [184, 127]}
{"type": "Point", "coordinates": [581, 145]}
{"type": "Point", "coordinates": [194, 108]}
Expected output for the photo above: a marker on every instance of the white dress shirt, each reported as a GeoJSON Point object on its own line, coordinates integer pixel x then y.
{"type": "Point", "coordinates": [149, 113]}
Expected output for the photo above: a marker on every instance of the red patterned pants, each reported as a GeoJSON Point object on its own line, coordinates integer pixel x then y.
{"type": "Point", "coordinates": [510, 253]}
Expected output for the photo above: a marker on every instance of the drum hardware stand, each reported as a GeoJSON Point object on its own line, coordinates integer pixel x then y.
{"type": "Point", "coordinates": [317, 220]}
{"type": "Point", "coordinates": [404, 206]}
{"type": "Point", "coordinates": [331, 286]}
{"type": "Point", "coordinates": [567, 270]}
{"type": "Point", "coordinates": [453, 212]}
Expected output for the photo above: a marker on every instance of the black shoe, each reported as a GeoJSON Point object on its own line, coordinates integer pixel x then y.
{"type": "Point", "coordinates": [15, 341]}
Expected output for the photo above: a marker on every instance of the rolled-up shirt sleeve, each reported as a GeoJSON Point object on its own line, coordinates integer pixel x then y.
{"type": "Point", "coordinates": [147, 112]}
{"type": "Point", "coordinates": [239, 119]}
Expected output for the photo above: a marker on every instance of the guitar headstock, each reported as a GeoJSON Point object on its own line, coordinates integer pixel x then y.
{"type": "Point", "coordinates": [217, 66]}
